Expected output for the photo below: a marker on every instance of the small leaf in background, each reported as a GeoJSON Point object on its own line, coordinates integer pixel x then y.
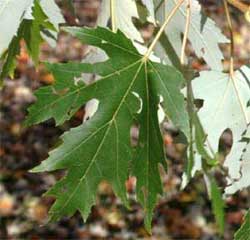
{"type": "Point", "coordinates": [11, 11]}
{"type": "Point", "coordinates": [244, 180]}
{"type": "Point", "coordinates": [244, 232]}
{"type": "Point", "coordinates": [55, 17]}
{"type": "Point", "coordinates": [225, 106]}
{"type": "Point", "coordinates": [39, 20]}
{"type": "Point", "coordinates": [33, 28]}
{"type": "Point", "coordinates": [204, 36]}
{"type": "Point", "coordinates": [125, 10]}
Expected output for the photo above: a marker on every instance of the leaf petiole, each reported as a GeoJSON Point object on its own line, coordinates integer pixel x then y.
{"type": "Point", "coordinates": [158, 35]}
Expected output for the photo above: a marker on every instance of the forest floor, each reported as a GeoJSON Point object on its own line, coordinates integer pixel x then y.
{"type": "Point", "coordinates": [23, 213]}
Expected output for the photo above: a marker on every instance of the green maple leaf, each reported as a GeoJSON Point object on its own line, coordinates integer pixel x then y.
{"type": "Point", "coordinates": [128, 93]}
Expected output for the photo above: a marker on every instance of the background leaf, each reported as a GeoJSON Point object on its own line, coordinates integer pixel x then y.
{"type": "Point", "coordinates": [225, 106]}
{"type": "Point", "coordinates": [11, 11]}
{"type": "Point", "coordinates": [38, 20]}
{"type": "Point", "coordinates": [125, 10]}
{"type": "Point", "coordinates": [244, 232]}
{"type": "Point", "coordinates": [244, 161]}
{"type": "Point", "coordinates": [203, 35]}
